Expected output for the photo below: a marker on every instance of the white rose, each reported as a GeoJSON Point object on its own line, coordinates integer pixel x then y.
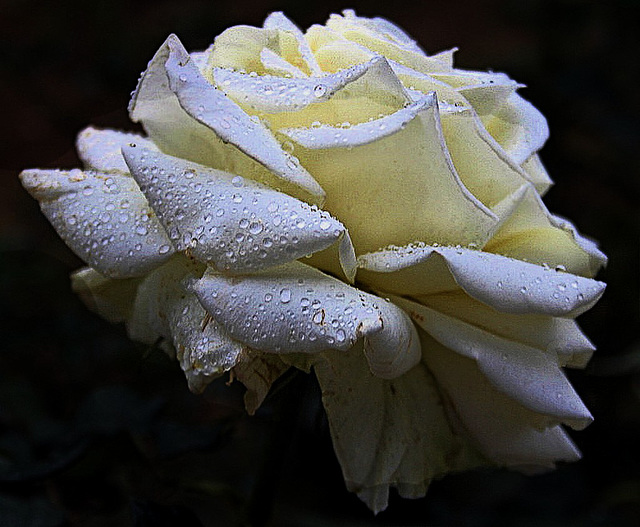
{"type": "Point", "coordinates": [438, 299]}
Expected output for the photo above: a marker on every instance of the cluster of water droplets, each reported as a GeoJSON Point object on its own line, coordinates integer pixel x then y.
{"type": "Point", "coordinates": [275, 312]}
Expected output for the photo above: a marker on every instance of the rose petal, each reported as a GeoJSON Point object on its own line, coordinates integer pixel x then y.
{"type": "Point", "coordinates": [506, 433]}
{"type": "Point", "coordinates": [104, 218]}
{"type": "Point", "coordinates": [506, 284]}
{"type": "Point", "coordinates": [519, 128]}
{"type": "Point", "coordinates": [100, 150]}
{"type": "Point", "coordinates": [270, 94]}
{"type": "Point", "coordinates": [423, 198]}
{"type": "Point", "coordinates": [278, 20]}
{"type": "Point", "coordinates": [109, 298]}
{"type": "Point", "coordinates": [233, 223]}
{"type": "Point", "coordinates": [488, 98]}
{"type": "Point", "coordinates": [257, 371]}
{"type": "Point", "coordinates": [527, 231]}
{"type": "Point", "coordinates": [560, 336]}
{"type": "Point", "coordinates": [274, 63]}
{"type": "Point", "coordinates": [165, 308]}
{"type": "Point", "coordinates": [527, 375]}
{"type": "Point", "coordinates": [295, 308]}
{"type": "Point", "coordinates": [537, 174]}
{"type": "Point", "coordinates": [387, 433]}
{"type": "Point", "coordinates": [172, 80]}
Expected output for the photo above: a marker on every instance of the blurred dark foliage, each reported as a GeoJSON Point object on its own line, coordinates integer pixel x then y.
{"type": "Point", "coordinates": [96, 430]}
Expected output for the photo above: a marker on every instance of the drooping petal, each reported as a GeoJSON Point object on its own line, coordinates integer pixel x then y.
{"type": "Point", "coordinates": [387, 433]}
{"type": "Point", "coordinates": [559, 336]}
{"type": "Point", "coordinates": [174, 99]}
{"type": "Point", "coordinates": [164, 307]}
{"type": "Point", "coordinates": [100, 150]}
{"type": "Point", "coordinates": [424, 197]}
{"type": "Point", "coordinates": [505, 432]}
{"type": "Point", "coordinates": [519, 128]}
{"type": "Point", "coordinates": [506, 284]}
{"type": "Point", "coordinates": [104, 218]}
{"type": "Point", "coordinates": [227, 221]}
{"type": "Point", "coordinates": [526, 374]}
{"type": "Point", "coordinates": [111, 298]}
{"type": "Point", "coordinates": [528, 231]}
{"type": "Point", "coordinates": [295, 308]}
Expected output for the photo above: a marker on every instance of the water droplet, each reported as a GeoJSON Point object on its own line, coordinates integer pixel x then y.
{"type": "Point", "coordinates": [285, 295]}
{"type": "Point", "coordinates": [255, 228]}
{"type": "Point", "coordinates": [319, 90]}
{"type": "Point", "coordinates": [318, 317]}
{"type": "Point", "coordinates": [341, 335]}
{"type": "Point", "coordinates": [236, 181]}
{"type": "Point", "coordinates": [164, 249]}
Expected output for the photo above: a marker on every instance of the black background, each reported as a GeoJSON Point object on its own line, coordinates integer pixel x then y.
{"type": "Point", "coordinates": [96, 430]}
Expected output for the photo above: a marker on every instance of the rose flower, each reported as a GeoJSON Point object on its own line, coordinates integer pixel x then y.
{"type": "Point", "coordinates": [340, 201]}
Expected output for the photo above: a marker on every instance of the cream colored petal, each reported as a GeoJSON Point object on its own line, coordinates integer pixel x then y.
{"type": "Point", "coordinates": [527, 375]}
{"type": "Point", "coordinates": [537, 174]}
{"type": "Point", "coordinates": [559, 336]}
{"type": "Point", "coordinates": [489, 98]}
{"type": "Point", "coordinates": [483, 166]}
{"type": "Point", "coordinates": [100, 150]}
{"type": "Point", "coordinates": [104, 218]}
{"type": "Point", "coordinates": [257, 371]}
{"type": "Point", "coordinates": [271, 94]}
{"type": "Point", "coordinates": [387, 433]}
{"type": "Point", "coordinates": [227, 221]}
{"type": "Point", "coordinates": [505, 432]}
{"type": "Point", "coordinates": [164, 307]}
{"type": "Point", "coordinates": [172, 95]}
{"type": "Point", "coordinates": [110, 298]}
{"type": "Point", "coordinates": [519, 128]}
{"type": "Point", "coordinates": [277, 20]}
{"type": "Point", "coordinates": [274, 64]}
{"type": "Point", "coordinates": [528, 231]}
{"type": "Point", "coordinates": [506, 284]}
{"type": "Point", "coordinates": [295, 308]}
{"type": "Point", "coordinates": [423, 197]}
{"type": "Point", "coordinates": [392, 49]}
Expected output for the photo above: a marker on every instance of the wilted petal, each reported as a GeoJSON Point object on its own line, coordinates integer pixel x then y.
{"type": "Point", "coordinates": [387, 433]}
{"type": "Point", "coordinates": [506, 284]}
{"type": "Point", "coordinates": [526, 374]}
{"type": "Point", "coordinates": [519, 128]}
{"type": "Point", "coordinates": [173, 80]}
{"type": "Point", "coordinates": [101, 150]}
{"type": "Point", "coordinates": [233, 223]}
{"type": "Point", "coordinates": [295, 308]}
{"type": "Point", "coordinates": [164, 307]}
{"type": "Point", "coordinates": [111, 298]}
{"type": "Point", "coordinates": [257, 371]}
{"type": "Point", "coordinates": [104, 218]}
{"type": "Point", "coordinates": [505, 432]}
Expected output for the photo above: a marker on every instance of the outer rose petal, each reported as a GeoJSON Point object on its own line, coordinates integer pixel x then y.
{"type": "Point", "coordinates": [559, 336]}
{"type": "Point", "coordinates": [508, 434]}
{"type": "Point", "coordinates": [236, 224]}
{"type": "Point", "coordinates": [526, 374]}
{"type": "Point", "coordinates": [174, 101]}
{"type": "Point", "coordinates": [101, 150]}
{"type": "Point", "coordinates": [104, 218]}
{"type": "Point", "coordinates": [257, 371]}
{"type": "Point", "coordinates": [387, 433]}
{"type": "Point", "coordinates": [507, 285]}
{"type": "Point", "coordinates": [165, 308]}
{"type": "Point", "coordinates": [537, 174]}
{"type": "Point", "coordinates": [295, 308]}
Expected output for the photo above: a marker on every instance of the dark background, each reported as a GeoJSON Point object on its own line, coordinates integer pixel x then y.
{"type": "Point", "coordinates": [96, 430]}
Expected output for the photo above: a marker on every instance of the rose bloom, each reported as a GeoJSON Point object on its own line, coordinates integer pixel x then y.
{"type": "Point", "coordinates": [340, 201]}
